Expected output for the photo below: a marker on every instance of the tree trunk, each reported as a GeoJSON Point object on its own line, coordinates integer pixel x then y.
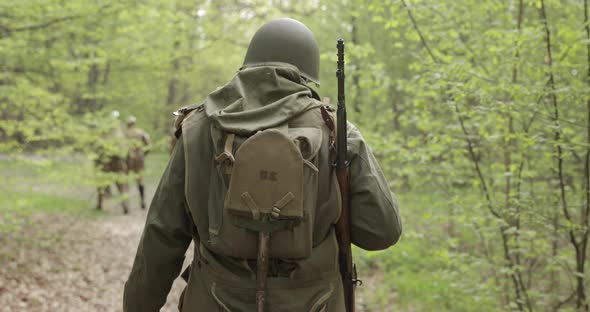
{"type": "Point", "coordinates": [581, 291]}
{"type": "Point", "coordinates": [580, 247]}
{"type": "Point", "coordinates": [105, 80]}
{"type": "Point", "coordinates": [508, 149]}
{"type": "Point", "coordinates": [172, 98]}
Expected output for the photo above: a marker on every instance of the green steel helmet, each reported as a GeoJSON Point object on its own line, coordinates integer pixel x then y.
{"type": "Point", "coordinates": [288, 41]}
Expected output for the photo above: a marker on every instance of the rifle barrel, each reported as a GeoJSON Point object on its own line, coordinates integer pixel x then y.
{"type": "Point", "coordinates": [343, 225]}
{"type": "Point", "coordinates": [341, 143]}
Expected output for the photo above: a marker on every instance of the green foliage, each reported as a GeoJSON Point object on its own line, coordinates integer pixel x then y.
{"type": "Point", "coordinates": [458, 100]}
{"type": "Point", "coordinates": [37, 185]}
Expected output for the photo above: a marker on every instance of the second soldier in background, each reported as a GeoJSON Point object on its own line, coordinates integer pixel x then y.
{"type": "Point", "coordinates": [139, 146]}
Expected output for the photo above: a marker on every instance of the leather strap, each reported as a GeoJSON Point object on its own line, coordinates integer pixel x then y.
{"type": "Point", "coordinates": [329, 121]}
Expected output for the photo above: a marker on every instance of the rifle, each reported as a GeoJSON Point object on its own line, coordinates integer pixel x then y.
{"type": "Point", "coordinates": [347, 268]}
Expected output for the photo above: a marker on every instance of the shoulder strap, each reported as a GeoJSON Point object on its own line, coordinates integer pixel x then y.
{"type": "Point", "coordinates": [227, 156]}
{"type": "Point", "coordinates": [329, 121]}
{"type": "Point", "coordinates": [181, 115]}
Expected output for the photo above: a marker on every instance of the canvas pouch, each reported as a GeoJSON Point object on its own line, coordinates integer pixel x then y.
{"type": "Point", "coordinates": [268, 185]}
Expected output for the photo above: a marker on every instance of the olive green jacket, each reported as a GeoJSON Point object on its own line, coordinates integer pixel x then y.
{"type": "Point", "coordinates": [257, 98]}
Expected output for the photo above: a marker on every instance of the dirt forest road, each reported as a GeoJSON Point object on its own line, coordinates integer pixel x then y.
{"type": "Point", "coordinates": [73, 264]}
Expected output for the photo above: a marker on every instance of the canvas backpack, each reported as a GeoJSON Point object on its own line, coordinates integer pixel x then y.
{"type": "Point", "coordinates": [267, 183]}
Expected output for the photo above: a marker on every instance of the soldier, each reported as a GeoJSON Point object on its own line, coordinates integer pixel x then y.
{"type": "Point", "coordinates": [139, 147]}
{"type": "Point", "coordinates": [110, 161]}
{"type": "Point", "coordinates": [253, 162]}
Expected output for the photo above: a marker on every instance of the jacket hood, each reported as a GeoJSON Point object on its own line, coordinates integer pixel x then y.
{"type": "Point", "coordinates": [259, 97]}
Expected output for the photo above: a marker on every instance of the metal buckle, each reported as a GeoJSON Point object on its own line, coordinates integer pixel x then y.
{"type": "Point", "coordinates": [354, 278]}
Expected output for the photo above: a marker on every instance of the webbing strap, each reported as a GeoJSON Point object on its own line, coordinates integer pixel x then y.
{"type": "Point", "coordinates": [285, 200]}
{"type": "Point", "coordinates": [249, 201]}
{"type": "Point", "coordinates": [276, 209]}
{"type": "Point", "coordinates": [329, 121]}
{"type": "Point", "coordinates": [227, 154]}
{"type": "Point", "coordinates": [311, 165]}
{"type": "Point", "coordinates": [229, 144]}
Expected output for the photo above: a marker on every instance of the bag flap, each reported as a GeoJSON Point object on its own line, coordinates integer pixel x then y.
{"type": "Point", "coordinates": [267, 178]}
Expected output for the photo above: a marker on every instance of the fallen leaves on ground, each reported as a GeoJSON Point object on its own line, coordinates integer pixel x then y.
{"type": "Point", "coordinates": [64, 263]}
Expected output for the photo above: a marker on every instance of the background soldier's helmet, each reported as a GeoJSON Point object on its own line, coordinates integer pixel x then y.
{"type": "Point", "coordinates": [131, 120]}
{"type": "Point", "coordinates": [289, 41]}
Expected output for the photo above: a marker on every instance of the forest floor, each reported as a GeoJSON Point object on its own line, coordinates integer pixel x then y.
{"type": "Point", "coordinates": [58, 253]}
{"type": "Point", "coordinates": [66, 263]}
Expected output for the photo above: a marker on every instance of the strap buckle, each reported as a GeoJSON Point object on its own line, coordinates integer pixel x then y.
{"type": "Point", "coordinates": [354, 278]}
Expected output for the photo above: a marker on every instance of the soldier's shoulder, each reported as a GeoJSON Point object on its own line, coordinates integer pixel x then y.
{"type": "Point", "coordinates": [187, 114]}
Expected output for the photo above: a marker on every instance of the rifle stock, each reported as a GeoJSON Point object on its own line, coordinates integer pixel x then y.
{"type": "Point", "coordinates": [347, 269]}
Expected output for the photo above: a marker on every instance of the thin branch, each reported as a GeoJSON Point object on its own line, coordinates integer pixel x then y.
{"type": "Point", "coordinates": [45, 24]}
{"type": "Point", "coordinates": [440, 61]}
{"type": "Point", "coordinates": [516, 277]}
{"type": "Point", "coordinates": [556, 118]}
{"type": "Point", "coordinates": [474, 159]}
{"type": "Point", "coordinates": [579, 247]}
{"type": "Point", "coordinates": [508, 160]}
{"type": "Point", "coordinates": [470, 145]}
{"type": "Point", "coordinates": [553, 97]}
{"type": "Point", "coordinates": [422, 38]}
{"type": "Point", "coordinates": [564, 301]}
{"type": "Point", "coordinates": [7, 30]}
{"type": "Point", "coordinates": [516, 49]}
{"type": "Point", "coordinates": [488, 254]}
{"type": "Point", "coordinates": [458, 27]}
